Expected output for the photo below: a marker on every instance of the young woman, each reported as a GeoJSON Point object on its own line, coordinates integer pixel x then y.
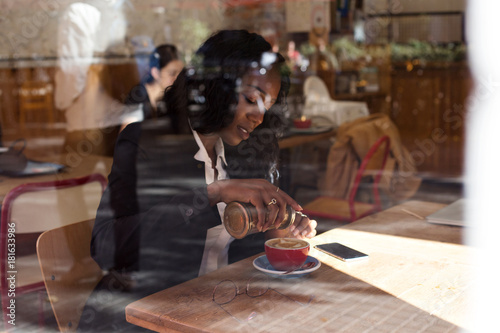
{"type": "Point", "coordinates": [159, 222]}
{"type": "Point", "coordinates": [164, 66]}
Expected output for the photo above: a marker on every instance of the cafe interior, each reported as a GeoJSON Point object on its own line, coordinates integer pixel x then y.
{"type": "Point", "coordinates": [384, 148]}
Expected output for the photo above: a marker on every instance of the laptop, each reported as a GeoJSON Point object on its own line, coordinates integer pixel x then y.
{"type": "Point", "coordinates": [453, 214]}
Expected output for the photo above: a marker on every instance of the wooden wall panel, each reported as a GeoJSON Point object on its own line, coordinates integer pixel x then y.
{"type": "Point", "coordinates": [429, 108]}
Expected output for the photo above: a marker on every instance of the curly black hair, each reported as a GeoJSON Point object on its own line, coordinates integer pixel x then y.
{"type": "Point", "coordinates": [205, 95]}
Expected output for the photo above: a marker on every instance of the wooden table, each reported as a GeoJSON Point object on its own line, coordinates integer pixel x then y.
{"type": "Point", "coordinates": [416, 279]}
{"type": "Point", "coordinates": [300, 139]}
{"type": "Point", "coordinates": [77, 166]}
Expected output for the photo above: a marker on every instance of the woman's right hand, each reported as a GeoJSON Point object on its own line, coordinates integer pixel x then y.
{"type": "Point", "coordinates": [268, 199]}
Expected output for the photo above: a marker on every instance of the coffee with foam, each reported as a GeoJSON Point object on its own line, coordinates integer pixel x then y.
{"type": "Point", "coordinates": [286, 254]}
{"type": "Point", "coordinates": [287, 243]}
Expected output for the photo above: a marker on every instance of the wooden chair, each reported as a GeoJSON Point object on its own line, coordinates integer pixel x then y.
{"type": "Point", "coordinates": [31, 209]}
{"type": "Point", "coordinates": [36, 96]}
{"type": "Point", "coordinates": [322, 109]}
{"type": "Point", "coordinates": [349, 209]}
{"type": "Point", "coordinates": [69, 272]}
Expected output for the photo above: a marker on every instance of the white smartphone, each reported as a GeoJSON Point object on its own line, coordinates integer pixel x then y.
{"type": "Point", "coordinates": [341, 251]}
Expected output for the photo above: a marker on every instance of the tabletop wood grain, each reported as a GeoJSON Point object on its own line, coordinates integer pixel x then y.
{"type": "Point", "coordinates": [408, 284]}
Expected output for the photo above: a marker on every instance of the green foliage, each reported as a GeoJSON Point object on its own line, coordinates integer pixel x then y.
{"type": "Point", "coordinates": [425, 51]}
{"type": "Point", "coordinates": [346, 49]}
{"type": "Point", "coordinates": [307, 49]}
{"type": "Point", "coordinates": [193, 33]}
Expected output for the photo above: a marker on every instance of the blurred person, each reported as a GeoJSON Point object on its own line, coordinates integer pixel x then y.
{"type": "Point", "coordinates": [293, 56]}
{"type": "Point", "coordinates": [164, 66]}
{"type": "Point", "coordinates": [233, 96]}
{"type": "Point", "coordinates": [83, 84]}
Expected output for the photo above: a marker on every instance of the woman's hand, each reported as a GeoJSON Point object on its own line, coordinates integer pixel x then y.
{"type": "Point", "coordinates": [269, 200]}
{"type": "Point", "coordinates": [303, 227]}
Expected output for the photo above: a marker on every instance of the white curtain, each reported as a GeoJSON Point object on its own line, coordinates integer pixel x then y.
{"type": "Point", "coordinates": [483, 160]}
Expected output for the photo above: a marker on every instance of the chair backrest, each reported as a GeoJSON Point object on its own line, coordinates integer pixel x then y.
{"type": "Point", "coordinates": [320, 106]}
{"type": "Point", "coordinates": [318, 103]}
{"type": "Point", "coordinates": [32, 208]}
{"type": "Point", "coordinates": [373, 165]}
{"type": "Point", "coordinates": [36, 207]}
{"type": "Point", "coordinates": [315, 90]}
{"type": "Point", "coordinates": [69, 272]}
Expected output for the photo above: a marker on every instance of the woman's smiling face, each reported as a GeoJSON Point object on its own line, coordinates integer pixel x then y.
{"type": "Point", "coordinates": [257, 94]}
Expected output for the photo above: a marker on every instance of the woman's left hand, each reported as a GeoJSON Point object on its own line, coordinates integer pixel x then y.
{"type": "Point", "coordinates": [303, 227]}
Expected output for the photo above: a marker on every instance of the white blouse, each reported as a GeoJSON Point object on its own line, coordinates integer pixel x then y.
{"type": "Point", "coordinates": [218, 239]}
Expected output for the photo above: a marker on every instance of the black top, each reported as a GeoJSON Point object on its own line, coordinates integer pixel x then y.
{"type": "Point", "coordinates": [139, 95]}
{"type": "Point", "coordinates": [155, 212]}
{"type": "Point", "coordinates": [151, 223]}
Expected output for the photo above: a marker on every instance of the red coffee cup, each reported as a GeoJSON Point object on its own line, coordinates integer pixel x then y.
{"type": "Point", "coordinates": [285, 254]}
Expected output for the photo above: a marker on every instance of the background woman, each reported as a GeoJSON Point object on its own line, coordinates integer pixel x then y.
{"type": "Point", "coordinates": [164, 66]}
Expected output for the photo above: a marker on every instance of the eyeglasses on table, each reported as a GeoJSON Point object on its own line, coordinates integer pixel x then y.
{"type": "Point", "coordinates": [226, 291]}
